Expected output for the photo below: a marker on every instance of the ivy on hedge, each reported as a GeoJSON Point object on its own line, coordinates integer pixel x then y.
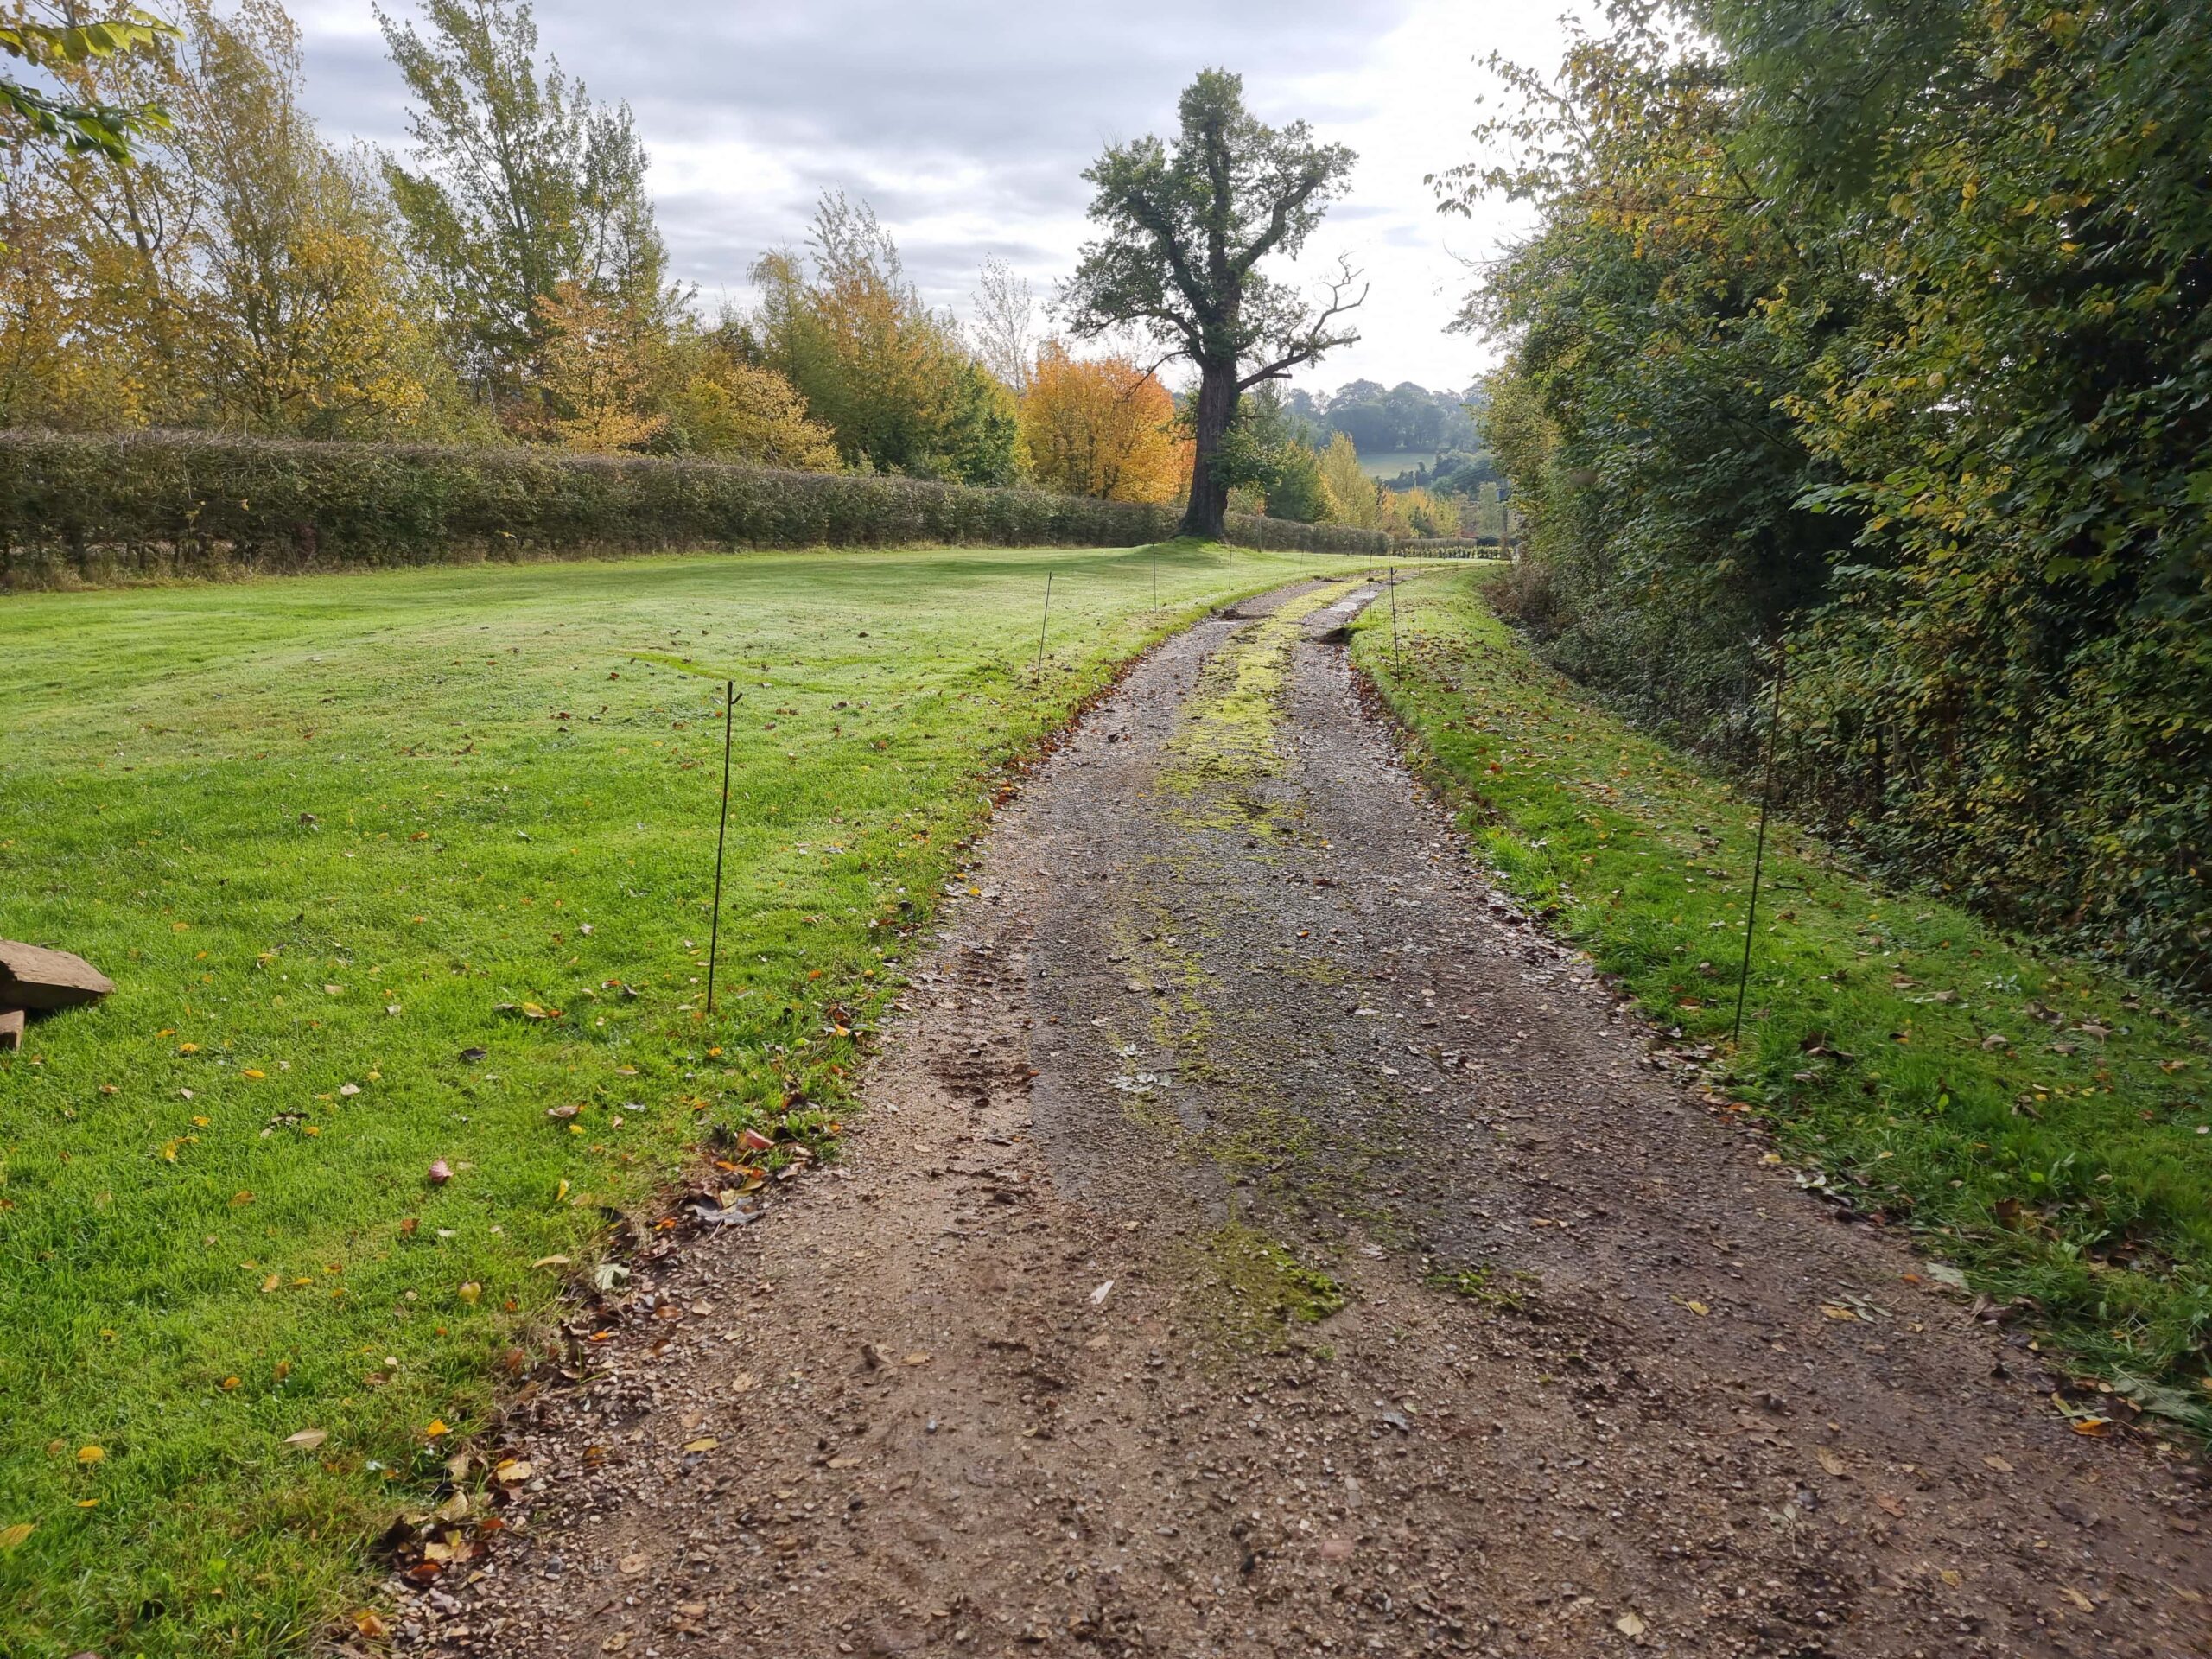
{"type": "Point", "coordinates": [95, 509]}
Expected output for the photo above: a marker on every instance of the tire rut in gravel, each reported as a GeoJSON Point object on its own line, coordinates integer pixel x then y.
{"type": "Point", "coordinates": [1262, 1240]}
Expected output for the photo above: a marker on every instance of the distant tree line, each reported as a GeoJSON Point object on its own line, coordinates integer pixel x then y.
{"type": "Point", "coordinates": [184, 250]}
{"type": "Point", "coordinates": [1876, 340]}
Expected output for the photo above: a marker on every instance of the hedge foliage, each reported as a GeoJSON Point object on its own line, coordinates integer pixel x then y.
{"type": "Point", "coordinates": [93, 509]}
{"type": "Point", "coordinates": [1880, 334]}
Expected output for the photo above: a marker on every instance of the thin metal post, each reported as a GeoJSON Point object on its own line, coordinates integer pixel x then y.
{"type": "Point", "coordinates": [1394, 616]}
{"type": "Point", "coordinates": [1156, 580]}
{"type": "Point", "coordinates": [1042, 626]}
{"type": "Point", "coordinates": [1758, 857]}
{"type": "Point", "coordinates": [721, 833]}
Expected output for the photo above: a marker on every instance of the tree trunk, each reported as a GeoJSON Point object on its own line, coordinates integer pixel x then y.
{"type": "Point", "coordinates": [1217, 407]}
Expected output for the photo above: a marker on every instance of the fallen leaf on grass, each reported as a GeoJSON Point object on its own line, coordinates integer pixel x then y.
{"type": "Point", "coordinates": [12, 1537]}
{"type": "Point", "coordinates": [551, 1261]}
{"type": "Point", "coordinates": [90, 1455]}
{"type": "Point", "coordinates": [308, 1439]}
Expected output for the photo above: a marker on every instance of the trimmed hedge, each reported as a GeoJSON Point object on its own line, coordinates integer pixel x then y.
{"type": "Point", "coordinates": [92, 509]}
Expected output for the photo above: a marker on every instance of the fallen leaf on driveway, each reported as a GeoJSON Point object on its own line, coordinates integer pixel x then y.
{"type": "Point", "coordinates": [1630, 1625]}
{"type": "Point", "coordinates": [1889, 1502]}
{"type": "Point", "coordinates": [2077, 1598]}
{"type": "Point", "coordinates": [1998, 1464]}
{"type": "Point", "coordinates": [633, 1565]}
{"type": "Point", "coordinates": [1832, 1463]}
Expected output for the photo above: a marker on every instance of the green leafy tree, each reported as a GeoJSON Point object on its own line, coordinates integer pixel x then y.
{"type": "Point", "coordinates": [1186, 227]}
{"type": "Point", "coordinates": [525, 183]}
{"type": "Point", "coordinates": [890, 377]}
{"type": "Point", "coordinates": [1353, 496]}
{"type": "Point", "coordinates": [1882, 330]}
{"type": "Point", "coordinates": [67, 42]}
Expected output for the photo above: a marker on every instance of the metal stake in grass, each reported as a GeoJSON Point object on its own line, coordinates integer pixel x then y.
{"type": "Point", "coordinates": [1155, 581]}
{"type": "Point", "coordinates": [721, 833]}
{"type": "Point", "coordinates": [1758, 857]}
{"type": "Point", "coordinates": [1042, 626]}
{"type": "Point", "coordinates": [1394, 616]}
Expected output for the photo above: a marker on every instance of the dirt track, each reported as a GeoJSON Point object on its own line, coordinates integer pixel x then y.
{"type": "Point", "coordinates": [1229, 1030]}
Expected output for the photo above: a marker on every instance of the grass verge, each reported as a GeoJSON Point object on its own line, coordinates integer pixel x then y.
{"type": "Point", "coordinates": [2044, 1125]}
{"type": "Point", "coordinates": [400, 868]}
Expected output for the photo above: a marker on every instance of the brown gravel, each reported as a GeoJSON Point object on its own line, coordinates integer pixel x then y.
{"type": "Point", "coordinates": [1025, 1373]}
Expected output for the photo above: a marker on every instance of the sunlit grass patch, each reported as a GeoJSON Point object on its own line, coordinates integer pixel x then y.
{"type": "Point", "coordinates": [400, 868]}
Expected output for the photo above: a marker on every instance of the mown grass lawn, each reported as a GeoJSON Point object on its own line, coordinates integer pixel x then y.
{"type": "Point", "coordinates": [333, 835]}
{"type": "Point", "coordinates": [2046, 1126]}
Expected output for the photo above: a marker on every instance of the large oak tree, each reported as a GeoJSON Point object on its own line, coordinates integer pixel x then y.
{"type": "Point", "coordinates": [1187, 226]}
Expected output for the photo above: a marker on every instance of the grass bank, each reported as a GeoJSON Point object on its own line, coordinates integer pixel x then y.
{"type": "Point", "coordinates": [2042, 1125]}
{"type": "Point", "coordinates": [412, 867]}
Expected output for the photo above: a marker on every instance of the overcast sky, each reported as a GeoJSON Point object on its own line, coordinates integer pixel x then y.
{"type": "Point", "coordinates": [967, 123]}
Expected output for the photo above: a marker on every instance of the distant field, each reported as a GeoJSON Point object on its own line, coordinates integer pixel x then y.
{"type": "Point", "coordinates": [394, 868]}
{"type": "Point", "coordinates": [1389, 463]}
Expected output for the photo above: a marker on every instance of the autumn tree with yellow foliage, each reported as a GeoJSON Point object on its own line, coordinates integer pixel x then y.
{"type": "Point", "coordinates": [1104, 428]}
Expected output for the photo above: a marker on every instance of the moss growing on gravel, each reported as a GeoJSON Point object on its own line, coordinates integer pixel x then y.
{"type": "Point", "coordinates": [1255, 1290]}
{"type": "Point", "coordinates": [1480, 1284]}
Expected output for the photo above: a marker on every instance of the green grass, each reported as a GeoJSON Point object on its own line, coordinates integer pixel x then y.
{"type": "Point", "coordinates": [2042, 1123]}
{"type": "Point", "coordinates": [326, 834]}
{"type": "Point", "coordinates": [1389, 463]}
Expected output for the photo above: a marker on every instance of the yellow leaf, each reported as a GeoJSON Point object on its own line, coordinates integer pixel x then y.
{"type": "Point", "coordinates": [90, 1455]}
{"type": "Point", "coordinates": [1697, 1307]}
{"type": "Point", "coordinates": [249, 1072]}
{"type": "Point", "coordinates": [229, 1383]}
{"type": "Point", "coordinates": [470, 1292]}
{"type": "Point", "coordinates": [12, 1537]}
{"type": "Point", "coordinates": [707, 1442]}
{"type": "Point", "coordinates": [551, 1261]}
{"type": "Point", "coordinates": [437, 1427]}
{"type": "Point", "coordinates": [2077, 1598]}
{"type": "Point", "coordinates": [271, 1282]}
{"type": "Point", "coordinates": [187, 1048]}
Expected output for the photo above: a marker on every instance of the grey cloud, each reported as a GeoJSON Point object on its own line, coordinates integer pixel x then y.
{"type": "Point", "coordinates": [946, 116]}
